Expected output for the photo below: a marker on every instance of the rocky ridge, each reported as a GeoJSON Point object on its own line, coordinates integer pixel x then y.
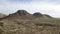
{"type": "Point", "coordinates": [23, 14]}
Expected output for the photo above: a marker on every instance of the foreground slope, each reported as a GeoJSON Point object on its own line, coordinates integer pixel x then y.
{"type": "Point", "coordinates": [23, 22]}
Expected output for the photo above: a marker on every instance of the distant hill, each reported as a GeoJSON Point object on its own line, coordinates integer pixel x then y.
{"type": "Point", "coordinates": [37, 14]}
{"type": "Point", "coordinates": [23, 14]}
{"type": "Point", "coordinates": [22, 22]}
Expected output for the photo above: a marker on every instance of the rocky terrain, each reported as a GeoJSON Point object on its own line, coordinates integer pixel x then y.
{"type": "Point", "coordinates": [23, 14]}
{"type": "Point", "coordinates": [22, 22]}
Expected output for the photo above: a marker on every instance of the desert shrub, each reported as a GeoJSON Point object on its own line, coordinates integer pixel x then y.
{"type": "Point", "coordinates": [1, 31]}
{"type": "Point", "coordinates": [10, 32]}
{"type": "Point", "coordinates": [17, 22]}
{"type": "Point", "coordinates": [1, 24]}
{"type": "Point", "coordinates": [44, 24]}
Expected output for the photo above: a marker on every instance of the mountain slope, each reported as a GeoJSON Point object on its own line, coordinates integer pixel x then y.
{"type": "Point", "coordinates": [23, 14]}
{"type": "Point", "coordinates": [22, 22]}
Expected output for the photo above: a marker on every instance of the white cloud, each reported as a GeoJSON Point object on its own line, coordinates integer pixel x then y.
{"type": "Point", "coordinates": [44, 7]}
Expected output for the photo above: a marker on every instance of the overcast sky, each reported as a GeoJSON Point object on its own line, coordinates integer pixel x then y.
{"type": "Point", "coordinates": [50, 7]}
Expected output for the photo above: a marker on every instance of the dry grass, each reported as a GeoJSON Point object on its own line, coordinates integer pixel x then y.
{"type": "Point", "coordinates": [35, 26]}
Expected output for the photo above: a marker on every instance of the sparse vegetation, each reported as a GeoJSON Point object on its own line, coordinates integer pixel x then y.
{"type": "Point", "coordinates": [20, 25]}
{"type": "Point", "coordinates": [1, 31]}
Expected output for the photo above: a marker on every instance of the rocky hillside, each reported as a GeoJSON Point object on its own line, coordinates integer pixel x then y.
{"type": "Point", "coordinates": [37, 14]}
{"type": "Point", "coordinates": [22, 22]}
{"type": "Point", "coordinates": [23, 14]}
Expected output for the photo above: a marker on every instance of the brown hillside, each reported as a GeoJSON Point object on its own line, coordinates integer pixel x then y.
{"type": "Point", "coordinates": [23, 14]}
{"type": "Point", "coordinates": [20, 23]}
{"type": "Point", "coordinates": [2, 15]}
{"type": "Point", "coordinates": [20, 14]}
{"type": "Point", "coordinates": [47, 16]}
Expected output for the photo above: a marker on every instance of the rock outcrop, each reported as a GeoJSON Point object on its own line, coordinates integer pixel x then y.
{"type": "Point", "coordinates": [37, 14]}
{"type": "Point", "coordinates": [20, 13]}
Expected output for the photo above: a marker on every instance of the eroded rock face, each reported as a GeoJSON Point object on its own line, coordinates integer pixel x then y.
{"type": "Point", "coordinates": [37, 14]}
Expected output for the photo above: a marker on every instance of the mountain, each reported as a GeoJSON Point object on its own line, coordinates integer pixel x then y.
{"type": "Point", "coordinates": [23, 14]}
{"type": "Point", "coordinates": [20, 14]}
{"type": "Point", "coordinates": [22, 22]}
{"type": "Point", "coordinates": [37, 14]}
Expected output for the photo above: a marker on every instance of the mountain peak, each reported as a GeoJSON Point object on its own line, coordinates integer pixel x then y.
{"type": "Point", "coordinates": [38, 14]}
{"type": "Point", "coordinates": [22, 12]}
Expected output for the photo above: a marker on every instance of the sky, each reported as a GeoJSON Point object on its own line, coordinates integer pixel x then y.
{"type": "Point", "coordinates": [50, 7]}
